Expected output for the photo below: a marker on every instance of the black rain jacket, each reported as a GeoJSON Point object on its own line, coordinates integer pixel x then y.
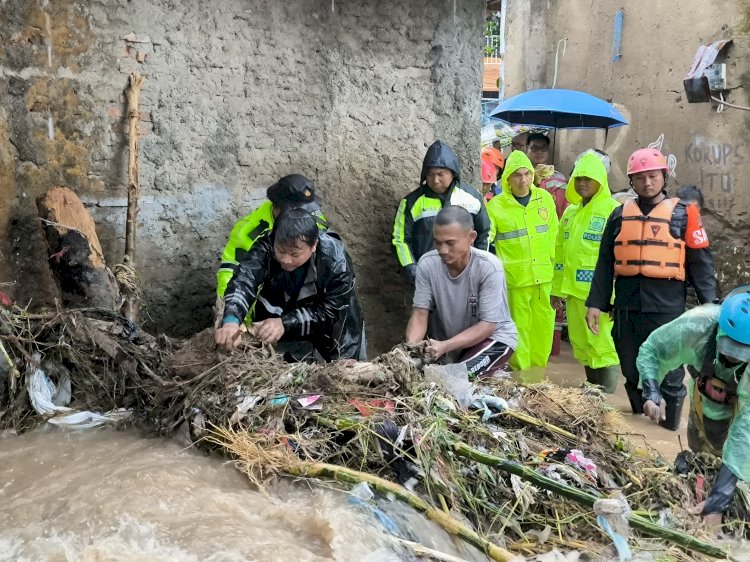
{"type": "Point", "coordinates": [326, 310]}
{"type": "Point", "coordinates": [412, 229]}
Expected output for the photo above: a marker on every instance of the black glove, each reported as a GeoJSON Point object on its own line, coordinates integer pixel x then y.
{"type": "Point", "coordinates": [722, 492]}
{"type": "Point", "coordinates": [650, 389]}
{"type": "Point", "coordinates": [410, 272]}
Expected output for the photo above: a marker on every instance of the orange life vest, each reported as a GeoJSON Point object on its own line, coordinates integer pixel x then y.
{"type": "Point", "coordinates": [645, 245]}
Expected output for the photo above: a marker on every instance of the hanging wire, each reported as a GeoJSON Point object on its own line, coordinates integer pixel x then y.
{"type": "Point", "coordinates": [557, 56]}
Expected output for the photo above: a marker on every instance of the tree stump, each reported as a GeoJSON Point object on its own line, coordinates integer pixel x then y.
{"type": "Point", "coordinates": [75, 255]}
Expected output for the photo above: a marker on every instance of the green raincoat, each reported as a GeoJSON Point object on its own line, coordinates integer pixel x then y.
{"type": "Point", "coordinates": [685, 341]}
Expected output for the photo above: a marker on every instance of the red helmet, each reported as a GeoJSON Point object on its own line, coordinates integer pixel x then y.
{"type": "Point", "coordinates": [493, 155]}
{"type": "Point", "coordinates": [646, 159]}
{"type": "Point", "coordinates": [489, 172]}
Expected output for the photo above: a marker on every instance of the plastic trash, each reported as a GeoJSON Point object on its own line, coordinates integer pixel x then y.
{"type": "Point", "coordinates": [575, 457]}
{"type": "Point", "coordinates": [50, 399]}
{"type": "Point", "coordinates": [279, 400]}
{"type": "Point", "coordinates": [362, 491]}
{"type": "Point", "coordinates": [612, 518]}
{"type": "Point", "coordinates": [309, 402]}
{"type": "Point", "coordinates": [490, 404]}
{"type": "Point", "coordinates": [454, 379]}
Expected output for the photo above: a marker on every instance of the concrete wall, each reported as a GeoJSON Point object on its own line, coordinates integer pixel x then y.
{"type": "Point", "coordinates": [238, 93]}
{"type": "Point", "coordinates": [659, 41]}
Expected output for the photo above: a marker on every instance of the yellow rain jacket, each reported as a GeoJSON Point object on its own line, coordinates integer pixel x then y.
{"type": "Point", "coordinates": [580, 233]}
{"type": "Point", "coordinates": [523, 237]}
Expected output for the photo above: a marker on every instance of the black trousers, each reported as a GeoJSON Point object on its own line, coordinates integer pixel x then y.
{"type": "Point", "coordinates": [632, 328]}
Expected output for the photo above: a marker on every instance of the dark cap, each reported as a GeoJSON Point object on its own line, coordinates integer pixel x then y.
{"type": "Point", "coordinates": [294, 191]}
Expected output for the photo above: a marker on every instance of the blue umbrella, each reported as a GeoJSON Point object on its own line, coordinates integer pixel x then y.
{"type": "Point", "coordinates": [560, 109]}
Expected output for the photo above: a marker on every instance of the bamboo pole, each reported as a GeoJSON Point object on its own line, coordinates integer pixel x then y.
{"type": "Point", "coordinates": [584, 498]}
{"type": "Point", "coordinates": [125, 272]}
{"type": "Point", "coordinates": [521, 416]}
{"type": "Point", "coordinates": [255, 453]}
{"type": "Point", "coordinates": [448, 523]}
{"type": "Point", "coordinates": [134, 93]}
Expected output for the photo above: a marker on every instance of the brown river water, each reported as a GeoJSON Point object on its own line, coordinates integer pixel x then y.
{"type": "Point", "coordinates": [102, 496]}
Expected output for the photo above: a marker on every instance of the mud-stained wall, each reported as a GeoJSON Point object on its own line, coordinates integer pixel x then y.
{"type": "Point", "coordinates": [238, 93]}
{"type": "Point", "coordinates": [659, 40]}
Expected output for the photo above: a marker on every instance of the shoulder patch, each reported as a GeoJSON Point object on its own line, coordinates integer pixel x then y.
{"type": "Point", "coordinates": [597, 224]}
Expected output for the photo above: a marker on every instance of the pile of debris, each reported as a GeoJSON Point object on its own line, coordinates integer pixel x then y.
{"type": "Point", "coordinates": [510, 468]}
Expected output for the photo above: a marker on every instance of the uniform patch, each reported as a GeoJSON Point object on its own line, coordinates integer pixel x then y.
{"type": "Point", "coordinates": [566, 235]}
{"type": "Point", "coordinates": [585, 275]}
{"type": "Point", "coordinates": [543, 213]}
{"type": "Point", "coordinates": [597, 224]}
{"type": "Point", "coordinates": [592, 237]}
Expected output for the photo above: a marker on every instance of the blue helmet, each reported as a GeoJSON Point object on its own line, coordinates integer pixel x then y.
{"type": "Point", "coordinates": [734, 323]}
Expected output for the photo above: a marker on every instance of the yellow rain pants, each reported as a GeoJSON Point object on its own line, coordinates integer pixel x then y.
{"type": "Point", "coordinates": [535, 320]}
{"type": "Point", "coordinates": [590, 350]}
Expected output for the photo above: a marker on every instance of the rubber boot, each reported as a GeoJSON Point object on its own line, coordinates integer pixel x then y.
{"type": "Point", "coordinates": [609, 377]}
{"type": "Point", "coordinates": [636, 401]}
{"type": "Point", "coordinates": [673, 412]}
{"type": "Point", "coordinates": [606, 377]}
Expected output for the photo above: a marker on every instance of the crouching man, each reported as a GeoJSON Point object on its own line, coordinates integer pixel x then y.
{"type": "Point", "coordinates": [301, 284]}
{"type": "Point", "coordinates": [460, 299]}
{"type": "Point", "coordinates": [714, 342]}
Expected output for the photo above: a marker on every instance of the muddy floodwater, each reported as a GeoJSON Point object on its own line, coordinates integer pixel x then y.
{"type": "Point", "coordinates": [103, 496]}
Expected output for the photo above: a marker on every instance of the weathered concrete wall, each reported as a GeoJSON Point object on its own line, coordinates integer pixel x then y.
{"type": "Point", "coordinates": [659, 40]}
{"type": "Point", "coordinates": [238, 93]}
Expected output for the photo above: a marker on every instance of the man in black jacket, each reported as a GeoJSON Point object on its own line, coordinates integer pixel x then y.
{"type": "Point", "coordinates": [651, 256]}
{"type": "Point", "coordinates": [301, 283]}
{"type": "Point", "coordinates": [440, 185]}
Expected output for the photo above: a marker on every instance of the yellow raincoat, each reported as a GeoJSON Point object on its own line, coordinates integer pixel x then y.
{"type": "Point", "coordinates": [524, 239]}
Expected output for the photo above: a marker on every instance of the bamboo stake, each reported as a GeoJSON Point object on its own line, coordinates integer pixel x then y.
{"type": "Point", "coordinates": [579, 496]}
{"type": "Point", "coordinates": [540, 423]}
{"type": "Point", "coordinates": [131, 306]}
{"type": "Point", "coordinates": [253, 454]}
{"type": "Point", "coordinates": [452, 526]}
{"type": "Point", "coordinates": [134, 93]}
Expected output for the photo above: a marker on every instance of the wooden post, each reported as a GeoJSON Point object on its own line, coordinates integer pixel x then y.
{"type": "Point", "coordinates": [134, 93]}
{"type": "Point", "coordinates": [125, 272]}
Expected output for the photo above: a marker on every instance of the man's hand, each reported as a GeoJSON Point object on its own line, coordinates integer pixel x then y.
{"type": "Point", "coordinates": [592, 320]}
{"type": "Point", "coordinates": [711, 521]}
{"type": "Point", "coordinates": [228, 336]}
{"type": "Point", "coordinates": [655, 412]}
{"type": "Point", "coordinates": [269, 331]}
{"type": "Point", "coordinates": [557, 303]}
{"type": "Point", "coordinates": [436, 349]}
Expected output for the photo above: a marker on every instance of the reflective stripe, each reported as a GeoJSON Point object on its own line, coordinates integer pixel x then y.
{"type": "Point", "coordinates": [427, 213]}
{"type": "Point", "coordinates": [402, 248]}
{"type": "Point", "coordinates": [269, 307]}
{"type": "Point", "coordinates": [512, 234]}
{"type": "Point", "coordinates": [542, 228]}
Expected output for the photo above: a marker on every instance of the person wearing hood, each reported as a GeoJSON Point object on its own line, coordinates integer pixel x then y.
{"type": "Point", "coordinates": [650, 250]}
{"type": "Point", "coordinates": [714, 342]}
{"type": "Point", "coordinates": [440, 185]}
{"type": "Point", "coordinates": [290, 191]}
{"type": "Point", "coordinates": [524, 229]}
{"type": "Point", "coordinates": [577, 250]}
